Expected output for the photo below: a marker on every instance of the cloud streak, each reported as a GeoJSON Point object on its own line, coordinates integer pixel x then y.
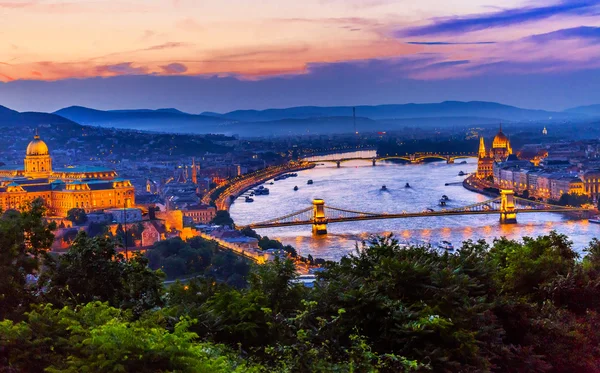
{"type": "Point", "coordinates": [502, 18]}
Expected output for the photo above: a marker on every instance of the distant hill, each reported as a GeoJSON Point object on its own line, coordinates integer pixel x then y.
{"type": "Point", "coordinates": [591, 110]}
{"type": "Point", "coordinates": [165, 120]}
{"type": "Point", "coordinates": [314, 119]}
{"type": "Point", "coordinates": [438, 110]}
{"type": "Point", "coordinates": [15, 119]}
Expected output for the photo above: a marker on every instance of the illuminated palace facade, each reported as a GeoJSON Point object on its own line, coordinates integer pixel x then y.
{"type": "Point", "coordinates": [89, 188]}
{"type": "Point", "coordinates": [499, 152]}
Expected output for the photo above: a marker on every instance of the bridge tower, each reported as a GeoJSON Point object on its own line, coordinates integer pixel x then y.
{"type": "Point", "coordinates": [508, 215]}
{"type": "Point", "coordinates": [319, 220]}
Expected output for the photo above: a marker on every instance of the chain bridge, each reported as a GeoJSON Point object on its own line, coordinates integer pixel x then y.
{"type": "Point", "coordinates": [412, 158]}
{"type": "Point", "coordinates": [507, 206]}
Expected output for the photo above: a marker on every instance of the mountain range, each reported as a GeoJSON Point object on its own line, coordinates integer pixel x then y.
{"type": "Point", "coordinates": [402, 111]}
{"type": "Point", "coordinates": [303, 119]}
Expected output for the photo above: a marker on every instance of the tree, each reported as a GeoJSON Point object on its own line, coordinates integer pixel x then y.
{"type": "Point", "coordinates": [77, 216]}
{"type": "Point", "coordinates": [98, 338]}
{"type": "Point", "coordinates": [222, 218]}
{"type": "Point", "coordinates": [92, 270]}
{"type": "Point", "coordinates": [573, 199]}
{"type": "Point", "coordinates": [23, 237]}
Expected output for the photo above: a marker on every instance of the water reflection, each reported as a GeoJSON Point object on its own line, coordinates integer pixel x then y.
{"type": "Point", "coordinates": [357, 186]}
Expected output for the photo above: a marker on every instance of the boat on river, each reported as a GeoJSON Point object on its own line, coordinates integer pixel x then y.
{"type": "Point", "coordinates": [296, 188]}
{"type": "Point", "coordinates": [461, 173]}
{"type": "Point", "coordinates": [309, 182]}
{"type": "Point", "coordinates": [383, 187]}
{"type": "Point", "coordinates": [445, 198]}
{"type": "Point", "coordinates": [407, 185]}
{"type": "Point", "coordinates": [595, 220]}
{"type": "Point", "coordinates": [248, 199]}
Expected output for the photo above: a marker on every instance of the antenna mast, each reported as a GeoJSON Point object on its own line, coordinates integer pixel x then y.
{"type": "Point", "coordinates": [354, 119]}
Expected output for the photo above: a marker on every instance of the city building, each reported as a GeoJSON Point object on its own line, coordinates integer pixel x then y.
{"type": "Point", "coordinates": [485, 163]}
{"type": "Point", "coordinates": [125, 215]}
{"type": "Point", "coordinates": [499, 152]}
{"type": "Point", "coordinates": [88, 188]}
{"type": "Point", "coordinates": [199, 214]}
{"type": "Point", "coordinates": [591, 181]}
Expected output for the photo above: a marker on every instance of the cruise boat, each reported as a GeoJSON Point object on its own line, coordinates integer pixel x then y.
{"type": "Point", "coordinates": [446, 245]}
{"type": "Point", "coordinates": [309, 182]}
{"type": "Point", "coordinates": [383, 187]}
{"type": "Point", "coordinates": [262, 191]}
{"type": "Point", "coordinates": [595, 220]}
{"type": "Point", "coordinates": [461, 173]}
{"type": "Point", "coordinates": [296, 188]}
{"type": "Point", "coordinates": [248, 199]}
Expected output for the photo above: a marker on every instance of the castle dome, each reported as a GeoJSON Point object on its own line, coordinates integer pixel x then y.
{"type": "Point", "coordinates": [37, 147]}
{"type": "Point", "coordinates": [500, 141]}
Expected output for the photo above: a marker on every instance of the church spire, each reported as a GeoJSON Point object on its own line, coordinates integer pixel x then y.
{"type": "Point", "coordinates": [194, 171]}
{"type": "Point", "coordinates": [481, 148]}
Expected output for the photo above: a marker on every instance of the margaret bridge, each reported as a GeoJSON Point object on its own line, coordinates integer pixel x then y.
{"type": "Point", "coordinates": [412, 158]}
{"type": "Point", "coordinates": [507, 206]}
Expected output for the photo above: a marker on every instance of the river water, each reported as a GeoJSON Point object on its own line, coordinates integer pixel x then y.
{"type": "Point", "coordinates": [357, 186]}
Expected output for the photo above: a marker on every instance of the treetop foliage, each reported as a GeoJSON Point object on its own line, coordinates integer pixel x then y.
{"type": "Point", "coordinates": [510, 306]}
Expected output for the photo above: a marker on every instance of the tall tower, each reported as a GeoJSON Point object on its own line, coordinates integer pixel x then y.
{"type": "Point", "coordinates": [194, 171]}
{"type": "Point", "coordinates": [482, 153]}
{"type": "Point", "coordinates": [354, 119]}
{"type": "Point", "coordinates": [38, 163]}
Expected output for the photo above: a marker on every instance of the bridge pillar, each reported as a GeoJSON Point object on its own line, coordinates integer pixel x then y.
{"type": "Point", "coordinates": [374, 162]}
{"type": "Point", "coordinates": [508, 215]}
{"type": "Point", "coordinates": [338, 164]}
{"type": "Point", "coordinates": [449, 160]}
{"type": "Point", "coordinates": [319, 220]}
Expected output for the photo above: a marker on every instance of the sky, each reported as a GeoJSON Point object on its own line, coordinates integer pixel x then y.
{"type": "Point", "coordinates": [220, 55]}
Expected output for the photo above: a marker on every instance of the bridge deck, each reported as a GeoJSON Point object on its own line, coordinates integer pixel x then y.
{"type": "Point", "coordinates": [411, 215]}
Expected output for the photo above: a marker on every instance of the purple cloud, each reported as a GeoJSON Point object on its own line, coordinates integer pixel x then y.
{"type": "Point", "coordinates": [174, 68]}
{"type": "Point", "coordinates": [449, 43]}
{"type": "Point", "coordinates": [583, 32]}
{"type": "Point", "coordinates": [456, 25]}
{"type": "Point", "coordinates": [125, 68]}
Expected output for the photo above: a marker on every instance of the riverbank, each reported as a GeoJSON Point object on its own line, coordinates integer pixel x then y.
{"type": "Point", "coordinates": [240, 185]}
{"type": "Point", "coordinates": [472, 184]}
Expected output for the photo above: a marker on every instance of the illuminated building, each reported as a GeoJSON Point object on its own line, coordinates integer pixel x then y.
{"type": "Point", "coordinates": [89, 188]}
{"type": "Point", "coordinates": [485, 163]}
{"type": "Point", "coordinates": [501, 148]}
{"type": "Point", "coordinates": [500, 151]}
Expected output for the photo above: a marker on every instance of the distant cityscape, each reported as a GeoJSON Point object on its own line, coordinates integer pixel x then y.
{"type": "Point", "coordinates": [172, 185]}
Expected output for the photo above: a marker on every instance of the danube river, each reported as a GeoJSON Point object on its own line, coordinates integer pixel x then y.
{"type": "Point", "coordinates": [357, 186]}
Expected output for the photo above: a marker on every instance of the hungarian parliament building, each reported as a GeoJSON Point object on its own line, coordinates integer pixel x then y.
{"type": "Point", "coordinates": [88, 188]}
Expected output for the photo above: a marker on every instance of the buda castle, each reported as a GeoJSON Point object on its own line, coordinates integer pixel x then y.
{"type": "Point", "coordinates": [499, 152]}
{"type": "Point", "coordinates": [88, 188]}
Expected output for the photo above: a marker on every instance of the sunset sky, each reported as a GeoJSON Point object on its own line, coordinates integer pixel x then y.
{"type": "Point", "coordinates": [252, 43]}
